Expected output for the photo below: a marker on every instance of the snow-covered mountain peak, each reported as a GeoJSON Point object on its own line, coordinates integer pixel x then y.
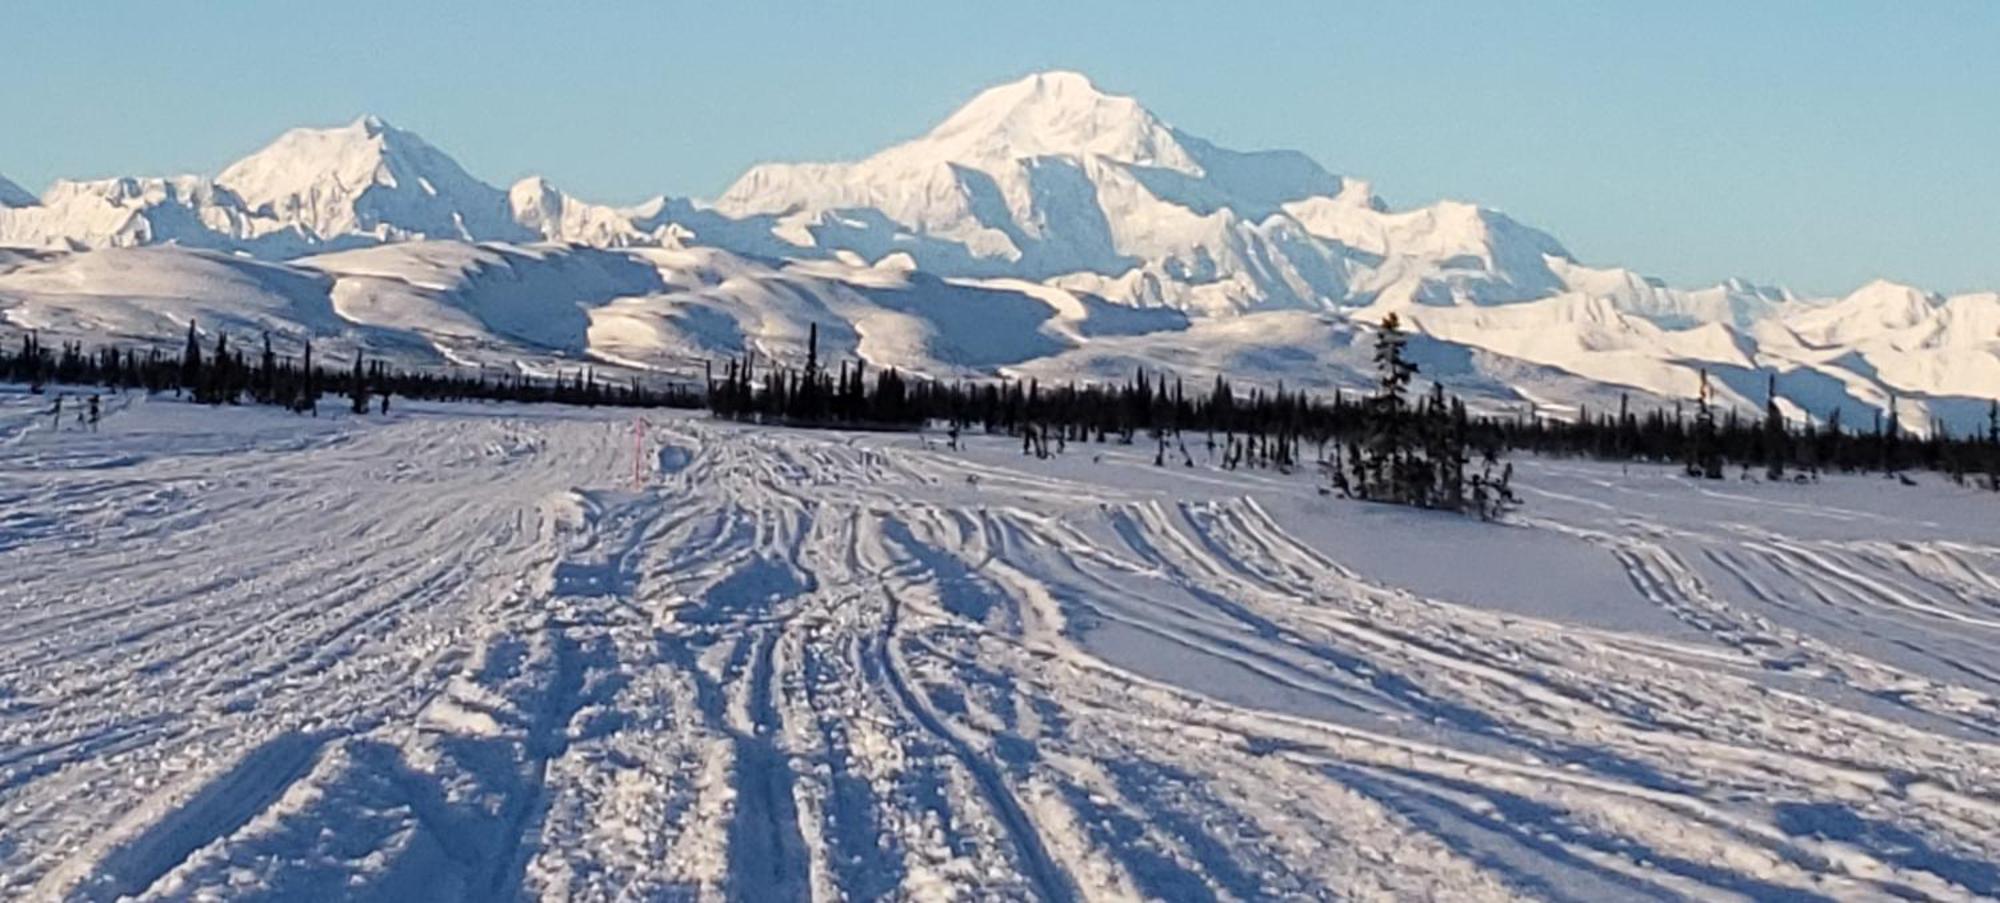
{"type": "Point", "coordinates": [1053, 114]}
{"type": "Point", "coordinates": [1879, 307]}
{"type": "Point", "coordinates": [539, 206]}
{"type": "Point", "coordinates": [12, 195]}
{"type": "Point", "coordinates": [1885, 304]}
{"type": "Point", "coordinates": [534, 193]}
{"type": "Point", "coordinates": [1051, 177]}
{"type": "Point", "coordinates": [1887, 295]}
{"type": "Point", "coordinates": [353, 152]}
{"type": "Point", "coordinates": [370, 177]}
{"type": "Point", "coordinates": [311, 189]}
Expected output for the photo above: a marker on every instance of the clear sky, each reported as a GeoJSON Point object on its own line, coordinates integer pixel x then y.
{"type": "Point", "coordinates": [1813, 144]}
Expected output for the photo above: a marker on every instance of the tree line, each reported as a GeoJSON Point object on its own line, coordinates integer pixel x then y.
{"type": "Point", "coordinates": [1383, 445]}
{"type": "Point", "coordinates": [224, 374]}
{"type": "Point", "coordinates": [1388, 444]}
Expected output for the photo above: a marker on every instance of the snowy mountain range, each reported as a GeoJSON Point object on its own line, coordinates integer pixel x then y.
{"type": "Point", "coordinates": [1046, 229]}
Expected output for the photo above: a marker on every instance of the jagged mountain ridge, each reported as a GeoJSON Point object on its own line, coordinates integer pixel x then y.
{"type": "Point", "coordinates": [1047, 178]}
{"type": "Point", "coordinates": [310, 190]}
{"type": "Point", "coordinates": [1050, 190]}
{"type": "Point", "coordinates": [1051, 178]}
{"type": "Point", "coordinates": [369, 178]}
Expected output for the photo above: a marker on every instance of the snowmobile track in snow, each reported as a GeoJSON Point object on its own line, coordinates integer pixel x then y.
{"type": "Point", "coordinates": [455, 655]}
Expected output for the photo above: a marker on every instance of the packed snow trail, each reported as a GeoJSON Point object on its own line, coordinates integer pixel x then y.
{"type": "Point", "coordinates": [455, 654]}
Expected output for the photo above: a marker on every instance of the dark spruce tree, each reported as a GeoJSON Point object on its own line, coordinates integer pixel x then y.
{"type": "Point", "coordinates": [190, 363]}
{"type": "Point", "coordinates": [1704, 459]}
{"type": "Point", "coordinates": [1993, 445]}
{"type": "Point", "coordinates": [267, 375]}
{"type": "Point", "coordinates": [1404, 454]}
{"type": "Point", "coordinates": [308, 398]}
{"type": "Point", "coordinates": [30, 366]}
{"type": "Point", "coordinates": [1776, 438]}
{"type": "Point", "coordinates": [1381, 464]}
{"type": "Point", "coordinates": [357, 387]}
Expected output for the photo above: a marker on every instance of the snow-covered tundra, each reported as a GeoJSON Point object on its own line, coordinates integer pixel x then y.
{"type": "Point", "coordinates": [475, 653]}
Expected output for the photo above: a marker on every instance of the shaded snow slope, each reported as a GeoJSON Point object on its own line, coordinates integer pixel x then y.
{"type": "Point", "coordinates": [12, 195]}
{"type": "Point", "coordinates": [458, 654]}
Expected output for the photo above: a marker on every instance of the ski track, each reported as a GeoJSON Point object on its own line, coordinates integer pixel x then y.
{"type": "Point", "coordinates": [456, 654]}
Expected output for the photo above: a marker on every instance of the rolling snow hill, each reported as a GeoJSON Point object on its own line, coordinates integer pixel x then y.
{"type": "Point", "coordinates": [1047, 228]}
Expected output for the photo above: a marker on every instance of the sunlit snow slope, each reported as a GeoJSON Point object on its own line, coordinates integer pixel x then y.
{"type": "Point", "coordinates": [459, 653]}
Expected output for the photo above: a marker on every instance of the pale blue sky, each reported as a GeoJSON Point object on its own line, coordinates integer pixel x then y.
{"type": "Point", "coordinates": [1813, 144]}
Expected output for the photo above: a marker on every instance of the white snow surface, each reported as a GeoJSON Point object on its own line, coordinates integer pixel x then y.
{"type": "Point", "coordinates": [1048, 227]}
{"type": "Point", "coordinates": [490, 652]}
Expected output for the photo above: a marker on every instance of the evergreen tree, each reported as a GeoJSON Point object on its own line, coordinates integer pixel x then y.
{"type": "Point", "coordinates": [218, 384]}
{"type": "Point", "coordinates": [31, 362]}
{"type": "Point", "coordinates": [809, 388]}
{"type": "Point", "coordinates": [1775, 437]}
{"type": "Point", "coordinates": [267, 375]}
{"type": "Point", "coordinates": [357, 387]}
{"type": "Point", "coordinates": [1993, 445]}
{"type": "Point", "coordinates": [1704, 460]}
{"type": "Point", "coordinates": [308, 401]}
{"type": "Point", "coordinates": [1410, 456]}
{"type": "Point", "coordinates": [190, 378]}
{"type": "Point", "coordinates": [1891, 437]}
{"type": "Point", "coordinates": [1385, 467]}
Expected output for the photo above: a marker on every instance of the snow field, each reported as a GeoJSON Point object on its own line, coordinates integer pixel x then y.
{"type": "Point", "coordinates": [456, 654]}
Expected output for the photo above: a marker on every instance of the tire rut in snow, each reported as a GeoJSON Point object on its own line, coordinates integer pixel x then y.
{"type": "Point", "coordinates": [221, 806]}
{"type": "Point", "coordinates": [1049, 880]}
{"type": "Point", "coordinates": [547, 740]}
{"type": "Point", "coordinates": [766, 847]}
